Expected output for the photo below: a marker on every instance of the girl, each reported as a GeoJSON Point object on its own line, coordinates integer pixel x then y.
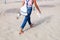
{"type": "Point", "coordinates": [29, 10]}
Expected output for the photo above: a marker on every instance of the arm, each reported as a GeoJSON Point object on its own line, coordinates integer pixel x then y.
{"type": "Point", "coordinates": [23, 2]}
{"type": "Point", "coordinates": [35, 3]}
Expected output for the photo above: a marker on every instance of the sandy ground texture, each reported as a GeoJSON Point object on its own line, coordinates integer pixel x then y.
{"type": "Point", "coordinates": [46, 27]}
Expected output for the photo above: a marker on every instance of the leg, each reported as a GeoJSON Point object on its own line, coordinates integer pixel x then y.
{"type": "Point", "coordinates": [29, 21]}
{"type": "Point", "coordinates": [27, 18]}
{"type": "Point", "coordinates": [23, 24]}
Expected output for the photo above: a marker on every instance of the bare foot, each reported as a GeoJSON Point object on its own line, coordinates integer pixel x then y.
{"type": "Point", "coordinates": [21, 31]}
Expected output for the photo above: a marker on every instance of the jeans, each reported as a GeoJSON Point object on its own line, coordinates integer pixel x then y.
{"type": "Point", "coordinates": [27, 17]}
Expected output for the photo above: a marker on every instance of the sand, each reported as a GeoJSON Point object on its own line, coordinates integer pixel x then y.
{"type": "Point", "coordinates": [46, 27]}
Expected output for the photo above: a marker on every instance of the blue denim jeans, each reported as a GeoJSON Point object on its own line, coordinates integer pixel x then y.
{"type": "Point", "coordinates": [27, 18]}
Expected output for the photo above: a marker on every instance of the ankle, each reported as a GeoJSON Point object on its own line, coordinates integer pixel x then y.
{"type": "Point", "coordinates": [21, 30]}
{"type": "Point", "coordinates": [31, 25]}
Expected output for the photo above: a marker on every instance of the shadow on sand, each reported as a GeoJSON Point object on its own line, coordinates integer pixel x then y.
{"type": "Point", "coordinates": [16, 10]}
{"type": "Point", "coordinates": [12, 10]}
{"type": "Point", "coordinates": [40, 21]}
{"type": "Point", "coordinates": [49, 6]}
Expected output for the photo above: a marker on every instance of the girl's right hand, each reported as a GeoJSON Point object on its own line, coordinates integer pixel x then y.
{"type": "Point", "coordinates": [39, 14]}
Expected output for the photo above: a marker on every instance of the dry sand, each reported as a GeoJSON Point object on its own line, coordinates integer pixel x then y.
{"type": "Point", "coordinates": [46, 27]}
